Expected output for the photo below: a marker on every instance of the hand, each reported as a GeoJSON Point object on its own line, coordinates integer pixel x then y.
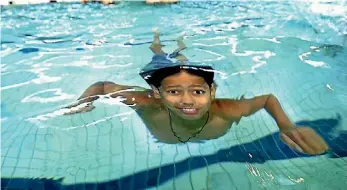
{"type": "Point", "coordinates": [304, 139]}
{"type": "Point", "coordinates": [156, 30]}
{"type": "Point", "coordinates": [79, 108]}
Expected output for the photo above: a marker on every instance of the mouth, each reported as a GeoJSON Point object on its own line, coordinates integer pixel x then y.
{"type": "Point", "coordinates": [189, 111]}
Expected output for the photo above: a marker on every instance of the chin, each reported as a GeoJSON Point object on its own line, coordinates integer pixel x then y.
{"type": "Point", "coordinates": [191, 117]}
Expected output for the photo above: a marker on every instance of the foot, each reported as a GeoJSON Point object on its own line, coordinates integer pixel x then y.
{"type": "Point", "coordinates": [156, 34]}
{"type": "Point", "coordinates": [152, 1]}
{"type": "Point", "coordinates": [161, 1]}
{"type": "Point", "coordinates": [155, 30]}
{"type": "Point", "coordinates": [180, 43]}
{"type": "Point", "coordinates": [106, 2]}
{"type": "Point", "coordinates": [179, 39]}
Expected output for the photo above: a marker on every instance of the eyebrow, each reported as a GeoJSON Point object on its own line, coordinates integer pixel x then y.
{"type": "Point", "coordinates": [197, 85]}
{"type": "Point", "coordinates": [171, 86]}
{"type": "Point", "coordinates": [177, 86]}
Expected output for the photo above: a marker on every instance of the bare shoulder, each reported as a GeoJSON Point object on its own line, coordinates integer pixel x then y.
{"type": "Point", "coordinates": [242, 107]}
{"type": "Point", "coordinates": [139, 99]}
{"type": "Point", "coordinates": [133, 96]}
{"type": "Point", "coordinates": [228, 108]}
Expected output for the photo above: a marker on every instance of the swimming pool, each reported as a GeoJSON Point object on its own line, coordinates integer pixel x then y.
{"type": "Point", "coordinates": [51, 53]}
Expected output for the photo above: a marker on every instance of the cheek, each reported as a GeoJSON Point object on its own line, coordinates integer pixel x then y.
{"type": "Point", "coordinates": [171, 100]}
{"type": "Point", "coordinates": [204, 101]}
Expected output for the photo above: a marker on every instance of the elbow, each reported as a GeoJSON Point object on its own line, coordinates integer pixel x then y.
{"type": "Point", "coordinates": [99, 84]}
{"type": "Point", "coordinates": [102, 86]}
{"type": "Point", "coordinates": [108, 83]}
{"type": "Point", "coordinates": [103, 83]}
{"type": "Point", "coordinates": [269, 98]}
{"type": "Point", "coordinates": [271, 101]}
{"type": "Point", "coordinates": [267, 101]}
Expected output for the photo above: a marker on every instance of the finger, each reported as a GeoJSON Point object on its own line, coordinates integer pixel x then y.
{"type": "Point", "coordinates": [324, 145]}
{"type": "Point", "coordinates": [290, 143]}
{"type": "Point", "coordinates": [312, 142]}
{"type": "Point", "coordinates": [70, 112]}
{"type": "Point", "coordinates": [296, 136]}
{"type": "Point", "coordinates": [72, 105]}
{"type": "Point", "coordinates": [88, 108]}
{"type": "Point", "coordinates": [68, 107]}
{"type": "Point", "coordinates": [67, 111]}
{"type": "Point", "coordinates": [322, 142]}
{"type": "Point", "coordinates": [73, 110]}
{"type": "Point", "coordinates": [316, 143]}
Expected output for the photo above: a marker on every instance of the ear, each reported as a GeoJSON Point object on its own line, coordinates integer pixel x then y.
{"type": "Point", "coordinates": [213, 91]}
{"type": "Point", "coordinates": [156, 92]}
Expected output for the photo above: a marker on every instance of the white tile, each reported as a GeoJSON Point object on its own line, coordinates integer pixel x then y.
{"type": "Point", "coordinates": [68, 0]}
{"type": "Point", "coordinates": [10, 162]}
{"type": "Point", "coordinates": [21, 172]}
{"type": "Point", "coordinates": [4, 2]}
{"type": "Point", "coordinates": [7, 172]}
{"type": "Point", "coordinates": [38, 1]}
{"type": "Point", "coordinates": [23, 2]}
{"type": "Point", "coordinates": [184, 181]}
{"type": "Point", "coordinates": [199, 178]}
{"type": "Point", "coordinates": [20, 2]}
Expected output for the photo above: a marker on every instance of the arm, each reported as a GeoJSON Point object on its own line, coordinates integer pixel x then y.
{"type": "Point", "coordinates": [303, 139]}
{"type": "Point", "coordinates": [93, 92]}
{"type": "Point", "coordinates": [103, 88]}
{"type": "Point", "coordinates": [270, 103]}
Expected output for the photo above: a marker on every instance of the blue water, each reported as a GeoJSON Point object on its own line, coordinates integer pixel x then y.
{"type": "Point", "coordinates": [51, 53]}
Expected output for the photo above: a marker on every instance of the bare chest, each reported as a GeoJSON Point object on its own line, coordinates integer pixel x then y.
{"type": "Point", "coordinates": [159, 126]}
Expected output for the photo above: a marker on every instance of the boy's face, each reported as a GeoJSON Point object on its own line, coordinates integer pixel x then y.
{"type": "Point", "coordinates": [186, 95]}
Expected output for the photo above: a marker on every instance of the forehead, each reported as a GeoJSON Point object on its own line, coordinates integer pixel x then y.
{"type": "Point", "coordinates": [183, 78]}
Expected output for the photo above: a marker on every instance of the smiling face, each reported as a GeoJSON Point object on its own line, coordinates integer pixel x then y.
{"type": "Point", "coordinates": [187, 96]}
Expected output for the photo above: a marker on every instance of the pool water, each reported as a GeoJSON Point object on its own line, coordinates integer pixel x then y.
{"type": "Point", "coordinates": [51, 53]}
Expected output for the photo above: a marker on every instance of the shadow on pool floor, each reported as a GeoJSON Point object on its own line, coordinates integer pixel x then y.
{"type": "Point", "coordinates": [261, 149]}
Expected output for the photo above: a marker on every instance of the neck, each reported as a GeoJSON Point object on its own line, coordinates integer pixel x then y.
{"type": "Point", "coordinates": [190, 125]}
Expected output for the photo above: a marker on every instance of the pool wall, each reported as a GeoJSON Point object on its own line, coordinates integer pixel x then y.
{"type": "Point", "coordinates": [25, 2]}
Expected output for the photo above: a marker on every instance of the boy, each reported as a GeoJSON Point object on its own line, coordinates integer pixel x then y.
{"type": "Point", "coordinates": [181, 106]}
{"type": "Point", "coordinates": [105, 2]}
{"type": "Point", "coordinates": [108, 2]}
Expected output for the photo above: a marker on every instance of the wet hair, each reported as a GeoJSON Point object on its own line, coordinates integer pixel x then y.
{"type": "Point", "coordinates": [158, 76]}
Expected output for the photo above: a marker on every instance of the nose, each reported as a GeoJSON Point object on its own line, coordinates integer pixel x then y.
{"type": "Point", "coordinates": [187, 100]}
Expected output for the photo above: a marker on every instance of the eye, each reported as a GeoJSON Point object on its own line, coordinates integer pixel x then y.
{"type": "Point", "coordinates": [172, 91]}
{"type": "Point", "coordinates": [199, 92]}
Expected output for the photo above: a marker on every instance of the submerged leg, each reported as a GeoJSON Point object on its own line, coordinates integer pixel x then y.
{"type": "Point", "coordinates": [161, 1]}
{"type": "Point", "coordinates": [181, 46]}
{"type": "Point", "coordinates": [156, 46]}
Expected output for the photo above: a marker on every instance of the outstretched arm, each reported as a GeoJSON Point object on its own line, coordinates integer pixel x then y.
{"type": "Point", "coordinates": [132, 95]}
{"type": "Point", "coordinates": [268, 102]}
{"type": "Point", "coordinates": [303, 139]}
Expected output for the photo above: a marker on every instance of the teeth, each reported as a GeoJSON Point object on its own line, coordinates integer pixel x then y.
{"type": "Point", "coordinates": [188, 109]}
